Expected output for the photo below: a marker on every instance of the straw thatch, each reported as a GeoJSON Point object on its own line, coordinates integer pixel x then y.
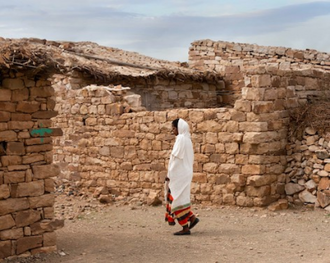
{"type": "Point", "coordinates": [102, 63]}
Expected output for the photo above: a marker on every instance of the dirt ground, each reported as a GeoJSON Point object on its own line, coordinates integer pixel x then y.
{"type": "Point", "coordinates": [137, 233]}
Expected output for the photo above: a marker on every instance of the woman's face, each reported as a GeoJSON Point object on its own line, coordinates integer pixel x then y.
{"type": "Point", "coordinates": [175, 130]}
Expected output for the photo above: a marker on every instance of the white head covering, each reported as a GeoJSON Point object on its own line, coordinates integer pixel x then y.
{"type": "Point", "coordinates": [182, 139]}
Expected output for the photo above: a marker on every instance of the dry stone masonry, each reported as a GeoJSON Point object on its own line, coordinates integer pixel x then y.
{"type": "Point", "coordinates": [27, 221]}
{"type": "Point", "coordinates": [116, 122]}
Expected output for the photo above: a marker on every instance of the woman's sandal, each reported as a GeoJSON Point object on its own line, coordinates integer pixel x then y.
{"type": "Point", "coordinates": [182, 233]}
{"type": "Point", "coordinates": [195, 222]}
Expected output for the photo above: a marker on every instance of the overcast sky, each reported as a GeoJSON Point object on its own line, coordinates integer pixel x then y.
{"type": "Point", "coordinates": [165, 28]}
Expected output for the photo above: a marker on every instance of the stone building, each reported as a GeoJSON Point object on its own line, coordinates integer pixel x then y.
{"type": "Point", "coordinates": [100, 118]}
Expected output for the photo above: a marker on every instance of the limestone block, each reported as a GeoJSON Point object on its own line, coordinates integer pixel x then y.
{"type": "Point", "coordinates": [229, 199]}
{"type": "Point", "coordinates": [49, 239]}
{"type": "Point", "coordinates": [46, 226]}
{"type": "Point", "coordinates": [7, 106]}
{"type": "Point", "coordinates": [231, 148]}
{"type": "Point", "coordinates": [270, 94]}
{"type": "Point", "coordinates": [14, 177]}
{"type": "Point", "coordinates": [28, 106]}
{"type": "Point", "coordinates": [243, 105]}
{"type": "Point", "coordinates": [230, 137]}
{"type": "Point", "coordinates": [281, 204]}
{"type": "Point", "coordinates": [75, 109]}
{"type": "Point", "coordinates": [196, 117]}
{"type": "Point", "coordinates": [49, 185]}
{"type": "Point", "coordinates": [126, 166]}
{"type": "Point", "coordinates": [6, 222]}
{"type": "Point", "coordinates": [323, 173]}
{"type": "Point", "coordinates": [323, 199]}
{"type": "Point", "coordinates": [307, 197]}
{"type": "Point", "coordinates": [104, 151]}
{"type": "Point", "coordinates": [45, 171]}
{"type": "Point", "coordinates": [230, 126]}
{"type": "Point", "coordinates": [211, 137]}
{"type": "Point", "coordinates": [324, 183]}
{"type": "Point", "coordinates": [5, 249]}
{"type": "Point", "coordinates": [260, 137]}
{"type": "Point", "coordinates": [260, 107]}
{"type": "Point", "coordinates": [260, 180]}
{"type": "Point", "coordinates": [327, 167]}
{"type": "Point", "coordinates": [239, 179]}
{"type": "Point", "coordinates": [292, 188]}
{"type": "Point", "coordinates": [244, 201]}
{"type": "Point", "coordinates": [34, 188]}
{"type": "Point", "coordinates": [253, 169]}
{"type": "Point", "coordinates": [199, 178]}
{"type": "Point", "coordinates": [45, 114]}
{"type": "Point", "coordinates": [15, 148]}
{"type": "Point", "coordinates": [229, 169]}
{"type": "Point", "coordinates": [5, 94]}
{"type": "Point", "coordinates": [253, 126]}
{"type": "Point", "coordinates": [38, 141]}
{"type": "Point", "coordinates": [48, 212]}
{"type": "Point", "coordinates": [45, 250]}
{"type": "Point", "coordinates": [241, 159]}
{"type": "Point", "coordinates": [238, 116]}
{"type": "Point", "coordinates": [20, 95]}
{"type": "Point", "coordinates": [252, 94]}
{"type": "Point", "coordinates": [153, 198]}
{"type": "Point", "coordinates": [4, 191]}
{"type": "Point", "coordinates": [208, 148]}
{"type": "Point", "coordinates": [41, 201]}
{"type": "Point", "coordinates": [4, 116]}
{"type": "Point", "coordinates": [210, 167]}
{"type": "Point", "coordinates": [39, 148]}
{"type": "Point", "coordinates": [8, 136]}
{"type": "Point", "coordinates": [32, 158]}
{"type": "Point", "coordinates": [27, 217]}
{"type": "Point", "coordinates": [13, 234]}
{"type": "Point", "coordinates": [12, 205]}
{"type": "Point", "coordinates": [209, 126]}
{"type": "Point", "coordinates": [13, 84]}
{"type": "Point", "coordinates": [27, 243]}
{"type": "Point", "coordinates": [20, 125]}
{"type": "Point", "coordinates": [258, 191]}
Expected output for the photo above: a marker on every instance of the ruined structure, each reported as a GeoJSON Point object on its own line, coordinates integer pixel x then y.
{"type": "Point", "coordinates": [103, 116]}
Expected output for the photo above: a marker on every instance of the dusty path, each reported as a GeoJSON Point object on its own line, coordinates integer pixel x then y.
{"type": "Point", "coordinates": [227, 234]}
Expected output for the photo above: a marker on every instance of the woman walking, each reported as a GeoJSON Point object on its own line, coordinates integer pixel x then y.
{"type": "Point", "coordinates": [178, 181]}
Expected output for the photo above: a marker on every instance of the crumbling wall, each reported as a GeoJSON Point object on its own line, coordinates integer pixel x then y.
{"type": "Point", "coordinates": [295, 78]}
{"type": "Point", "coordinates": [239, 152]}
{"type": "Point", "coordinates": [27, 221]}
{"type": "Point", "coordinates": [234, 60]}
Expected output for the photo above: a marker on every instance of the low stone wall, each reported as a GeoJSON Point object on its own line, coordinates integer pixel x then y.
{"type": "Point", "coordinates": [308, 171]}
{"type": "Point", "coordinates": [27, 221]}
{"type": "Point", "coordinates": [239, 152]}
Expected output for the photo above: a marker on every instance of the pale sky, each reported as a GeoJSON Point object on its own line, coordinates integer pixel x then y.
{"type": "Point", "coordinates": [164, 29]}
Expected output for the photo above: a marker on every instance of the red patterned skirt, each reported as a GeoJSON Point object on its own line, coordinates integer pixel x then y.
{"type": "Point", "coordinates": [182, 216]}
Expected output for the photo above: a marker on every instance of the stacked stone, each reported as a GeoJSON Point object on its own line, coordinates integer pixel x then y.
{"type": "Point", "coordinates": [234, 60]}
{"type": "Point", "coordinates": [238, 152]}
{"type": "Point", "coordinates": [26, 174]}
{"type": "Point", "coordinates": [308, 172]}
{"type": "Point", "coordinates": [218, 54]}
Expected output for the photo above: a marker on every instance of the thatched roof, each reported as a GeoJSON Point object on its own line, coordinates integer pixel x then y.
{"type": "Point", "coordinates": [99, 62]}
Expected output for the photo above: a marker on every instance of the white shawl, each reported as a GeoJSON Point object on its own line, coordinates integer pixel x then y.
{"type": "Point", "coordinates": [180, 168]}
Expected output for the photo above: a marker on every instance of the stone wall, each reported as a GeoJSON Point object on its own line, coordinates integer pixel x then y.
{"type": "Point", "coordinates": [294, 78]}
{"type": "Point", "coordinates": [240, 152]}
{"type": "Point", "coordinates": [27, 221]}
{"type": "Point", "coordinates": [234, 60]}
{"type": "Point", "coordinates": [156, 93]}
{"type": "Point", "coordinates": [308, 171]}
